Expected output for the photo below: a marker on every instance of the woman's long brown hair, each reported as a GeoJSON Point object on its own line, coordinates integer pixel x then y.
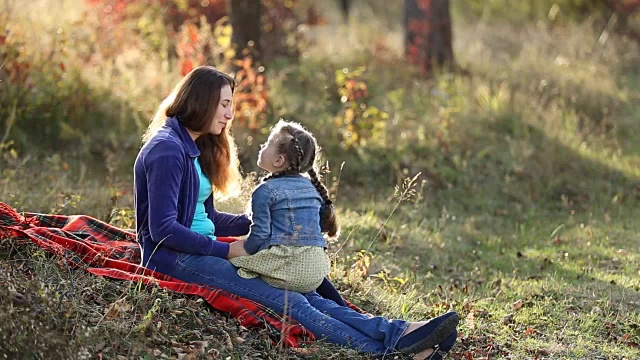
{"type": "Point", "coordinates": [194, 102]}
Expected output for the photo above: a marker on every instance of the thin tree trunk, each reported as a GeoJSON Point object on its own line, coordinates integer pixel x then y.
{"type": "Point", "coordinates": [624, 9]}
{"type": "Point", "coordinates": [345, 7]}
{"type": "Point", "coordinates": [246, 25]}
{"type": "Point", "coordinates": [428, 37]}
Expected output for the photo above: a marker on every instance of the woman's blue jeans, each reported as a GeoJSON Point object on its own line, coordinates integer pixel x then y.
{"type": "Point", "coordinates": [324, 318]}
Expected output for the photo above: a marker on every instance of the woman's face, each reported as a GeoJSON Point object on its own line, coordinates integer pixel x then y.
{"type": "Point", "coordinates": [224, 112]}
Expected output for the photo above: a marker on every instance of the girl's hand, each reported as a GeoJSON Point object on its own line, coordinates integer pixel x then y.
{"type": "Point", "coordinates": [236, 249]}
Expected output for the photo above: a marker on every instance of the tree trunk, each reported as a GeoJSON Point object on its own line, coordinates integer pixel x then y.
{"type": "Point", "coordinates": [246, 24]}
{"type": "Point", "coordinates": [345, 7]}
{"type": "Point", "coordinates": [428, 34]}
{"type": "Point", "coordinates": [624, 9]}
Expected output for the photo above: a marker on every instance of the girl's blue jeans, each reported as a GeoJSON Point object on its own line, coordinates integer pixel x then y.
{"type": "Point", "coordinates": [324, 318]}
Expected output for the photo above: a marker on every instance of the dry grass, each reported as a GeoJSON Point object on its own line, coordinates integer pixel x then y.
{"type": "Point", "coordinates": [523, 218]}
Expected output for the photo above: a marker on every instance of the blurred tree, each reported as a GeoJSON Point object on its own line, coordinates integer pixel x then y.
{"type": "Point", "coordinates": [246, 24]}
{"type": "Point", "coordinates": [345, 7]}
{"type": "Point", "coordinates": [624, 10]}
{"type": "Point", "coordinates": [428, 34]}
{"type": "Point", "coordinates": [268, 29]}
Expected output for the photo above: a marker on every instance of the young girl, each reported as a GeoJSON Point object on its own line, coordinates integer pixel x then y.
{"type": "Point", "coordinates": [290, 214]}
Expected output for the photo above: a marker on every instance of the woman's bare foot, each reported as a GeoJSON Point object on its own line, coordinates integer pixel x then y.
{"type": "Point", "coordinates": [424, 354]}
{"type": "Point", "coordinates": [412, 326]}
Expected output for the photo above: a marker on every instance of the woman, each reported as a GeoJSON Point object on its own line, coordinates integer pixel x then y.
{"type": "Point", "coordinates": [188, 156]}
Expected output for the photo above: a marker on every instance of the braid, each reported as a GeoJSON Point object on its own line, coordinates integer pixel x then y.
{"type": "Point", "coordinates": [328, 222]}
{"type": "Point", "coordinates": [296, 164]}
{"type": "Point", "coordinates": [296, 145]}
{"type": "Point", "coordinates": [322, 190]}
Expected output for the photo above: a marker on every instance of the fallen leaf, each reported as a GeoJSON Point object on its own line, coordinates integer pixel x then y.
{"type": "Point", "coordinates": [199, 346]}
{"type": "Point", "coordinates": [188, 356]}
{"type": "Point", "coordinates": [116, 308]}
{"type": "Point", "coordinates": [508, 319]}
{"type": "Point", "coordinates": [213, 354]}
{"type": "Point", "coordinates": [19, 299]}
{"type": "Point", "coordinates": [306, 351]}
{"type": "Point", "coordinates": [227, 339]}
{"type": "Point", "coordinates": [518, 304]}
{"type": "Point", "coordinates": [112, 312]}
{"type": "Point", "coordinates": [542, 352]}
{"type": "Point", "coordinates": [470, 320]}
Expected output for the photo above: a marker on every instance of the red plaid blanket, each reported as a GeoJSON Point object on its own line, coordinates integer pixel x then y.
{"type": "Point", "coordinates": [105, 250]}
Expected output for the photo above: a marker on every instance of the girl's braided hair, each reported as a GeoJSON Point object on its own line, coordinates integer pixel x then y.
{"type": "Point", "coordinates": [299, 148]}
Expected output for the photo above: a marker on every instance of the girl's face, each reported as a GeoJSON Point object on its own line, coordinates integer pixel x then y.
{"type": "Point", "coordinates": [224, 112]}
{"type": "Point", "coordinates": [269, 158]}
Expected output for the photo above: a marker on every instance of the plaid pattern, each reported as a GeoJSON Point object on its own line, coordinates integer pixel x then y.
{"type": "Point", "coordinates": [101, 249]}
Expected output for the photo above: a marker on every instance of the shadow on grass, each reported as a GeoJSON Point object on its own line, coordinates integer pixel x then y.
{"type": "Point", "coordinates": [508, 168]}
{"type": "Point", "coordinates": [74, 118]}
{"type": "Point", "coordinates": [553, 216]}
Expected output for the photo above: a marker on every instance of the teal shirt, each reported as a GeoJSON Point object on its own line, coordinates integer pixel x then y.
{"type": "Point", "coordinates": [201, 222]}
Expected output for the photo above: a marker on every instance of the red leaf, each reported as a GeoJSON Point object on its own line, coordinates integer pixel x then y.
{"type": "Point", "coordinates": [186, 67]}
{"type": "Point", "coordinates": [518, 304]}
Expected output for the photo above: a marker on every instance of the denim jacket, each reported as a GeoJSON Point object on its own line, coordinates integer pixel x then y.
{"type": "Point", "coordinates": [286, 211]}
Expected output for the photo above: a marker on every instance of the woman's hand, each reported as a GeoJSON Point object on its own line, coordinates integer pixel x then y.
{"type": "Point", "coordinates": [236, 249]}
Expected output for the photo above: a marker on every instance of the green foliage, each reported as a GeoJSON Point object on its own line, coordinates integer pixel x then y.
{"type": "Point", "coordinates": [360, 124]}
{"type": "Point", "coordinates": [509, 193]}
{"type": "Point", "coordinates": [50, 98]}
{"type": "Point", "coordinates": [523, 11]}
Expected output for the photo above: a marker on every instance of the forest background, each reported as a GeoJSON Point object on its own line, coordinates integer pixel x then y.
{"type": "Point", "coordinates": [484, 157]}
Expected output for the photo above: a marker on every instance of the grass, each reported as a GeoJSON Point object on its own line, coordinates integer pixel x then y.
{"type": "Point", "coordinates": [510, 195]}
